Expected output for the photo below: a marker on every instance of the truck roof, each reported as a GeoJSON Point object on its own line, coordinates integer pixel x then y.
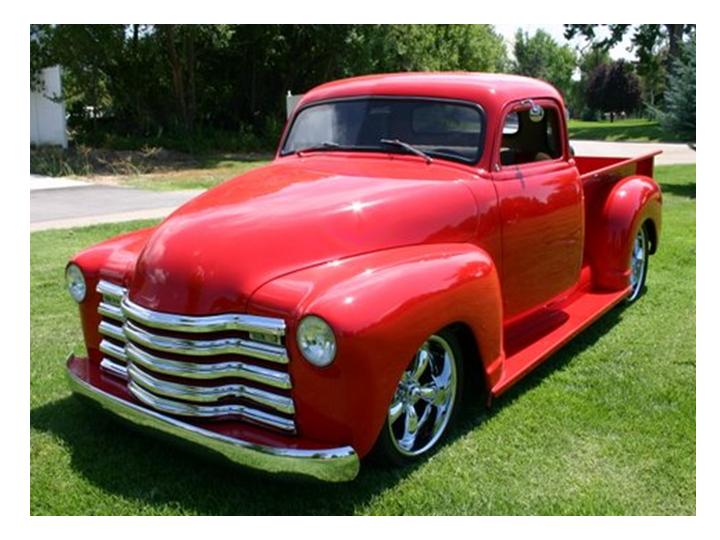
{"type": "Point", "coordinates": [488, 89]}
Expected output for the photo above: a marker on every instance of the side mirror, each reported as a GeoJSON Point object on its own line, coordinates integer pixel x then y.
{"type": "Point", "coordinates": [536, 112]}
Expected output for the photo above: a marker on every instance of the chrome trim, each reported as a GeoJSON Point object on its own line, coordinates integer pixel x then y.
{"type": "Point", "coordinates": [339, 464]}
{"type": "Point", "coordinates": [112, 331]}
{"type": "Point", "coordinates": [196, 347]}
{"type": "Point", "coordinates": [179, 408]}
{"type": "Point", "coordinates": [110, 290]}
{"type": "Point", "coordinates": [111, 311]}
{"type": "Point", "coordinates": [209, 394]}
{"type": "Point", "coordinates": [109, 348]}
{"type": "Point", "coordinates": [191, 370]}
{"type": "Point", "coordinates": [113, 368]}
{"type": "Point", "coordinates": [137, 334]}
{"type": "Point", "coordinates": [203, 324]}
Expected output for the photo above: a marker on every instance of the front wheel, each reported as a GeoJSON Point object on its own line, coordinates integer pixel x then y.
{"type": "Point", "coordinates": [639, 259]}
{"type": "Point", "coordinates": [425, 402]}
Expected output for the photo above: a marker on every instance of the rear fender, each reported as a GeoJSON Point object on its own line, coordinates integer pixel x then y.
{"type": "Point", "coordinates": [382, 306]}
{"type": "Point", "coordinates": [633, 201]}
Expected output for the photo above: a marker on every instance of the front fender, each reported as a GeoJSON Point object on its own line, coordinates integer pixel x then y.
{"type": "Point", "coordinates": [633, 201]}
{"type": "Point", "coordinates": [382, 306]}
{"type": "Point", "coordinates": [113, 260]}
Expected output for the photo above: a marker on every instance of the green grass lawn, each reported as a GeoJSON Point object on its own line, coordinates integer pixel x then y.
{"type": "Point", "coordinates": [606, 426]}
{"type": "Point", "coordinates": [632, 130]}
{"type": "Point", "coordinates": [207, 174]}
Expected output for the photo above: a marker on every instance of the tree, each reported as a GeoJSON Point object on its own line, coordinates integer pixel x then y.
{"type": "Point", "coordinates": [435, 47]}
{"type": "Point", "coordinates": [644, 39]}
{"type": "Point", "coordinates": [656, 46]}
{"type": "Point", "coordinates": [540, 56]}
{"type": "Point", "coordinates": [679, 114]}
{"type": "Point", "coordinates": [588, 61]}
{"type": "Point", "coordinates": [614, 88]}
{"type": "Point", "coordinates": [186, 82]}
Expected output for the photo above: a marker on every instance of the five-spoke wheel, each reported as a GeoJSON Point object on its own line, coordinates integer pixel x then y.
{"type": "Point", "coordinates": [424, 402]}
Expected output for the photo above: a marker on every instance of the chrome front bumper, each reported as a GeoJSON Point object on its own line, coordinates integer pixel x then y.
{"type": "Point", "coordinates": [331, 464]}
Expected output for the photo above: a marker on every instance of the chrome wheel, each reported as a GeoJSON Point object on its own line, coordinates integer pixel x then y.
{"type": "Point", "coordinates": [423, 402]}
{"type": "Point", "coordinates": [638, 264]}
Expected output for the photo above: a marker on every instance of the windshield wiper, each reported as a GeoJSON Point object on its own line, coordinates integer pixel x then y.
{"type": "Point", "coordinates": [408, 147]}
{"type": "Point", "coordinates": [325, 145]}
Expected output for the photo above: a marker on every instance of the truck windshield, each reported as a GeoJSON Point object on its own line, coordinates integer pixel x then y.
{"type": "Point", "coordinates": [442, 129]}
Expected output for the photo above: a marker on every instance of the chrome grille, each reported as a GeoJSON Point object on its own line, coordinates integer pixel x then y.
{"type": "Point", "coordinates": [170, 366]}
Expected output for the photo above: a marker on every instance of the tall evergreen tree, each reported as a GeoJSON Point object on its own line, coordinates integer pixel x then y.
{"type": "Point", "coordinates": [679, 114]}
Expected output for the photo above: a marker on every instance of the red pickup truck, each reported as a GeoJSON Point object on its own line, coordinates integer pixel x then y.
{"type": "Point", "coordinates": [412, 229]}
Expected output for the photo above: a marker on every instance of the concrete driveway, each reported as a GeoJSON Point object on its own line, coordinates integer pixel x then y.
{"type": "Point", "coordinates": [57, 203]}
{"type": "Point", "coordinates": [672, 153]}
{"type": "Point", "coordinates": [62, 205]}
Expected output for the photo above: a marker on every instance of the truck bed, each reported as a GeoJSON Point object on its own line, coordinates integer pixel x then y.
{"type": "Point", "coordinates": [593, 167]}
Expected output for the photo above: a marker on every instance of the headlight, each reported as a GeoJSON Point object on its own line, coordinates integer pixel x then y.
{"type": "Point", "coordinates": [75, 282]}
{"type": "Point", "coordinates": [316, 341]}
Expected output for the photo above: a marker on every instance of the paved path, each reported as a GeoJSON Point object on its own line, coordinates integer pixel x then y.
{"type": "Point", "coordinates": [38, 182]}
{"type": "Point", "coordinates": [672, 153]}
{"type": "Point", "coordinates": [90, 204]}
{"type": "Point", "coordinates": [57, 203]}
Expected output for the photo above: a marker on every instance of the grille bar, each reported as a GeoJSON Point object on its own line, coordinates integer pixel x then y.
{"type": "Point", "coordinates": [117, 352]}
{"type": "Point", "coordinates": [109, 310]}
{"type": "Point", "coordinates": [190, 370]}
{"type": "Point", "coordinates": [113, 367]}
{"type": "Point", "coordinates": [111, 330]}
{"type": "Point", "coordinates": [209, 411]}
{"type": "Point", "coordinates": [133, 351]}
{"type": "Point", "coordinates": [210, 394]}
{"type": "Point", "coordinates": [208, 323]}
{"type": "Point", "coordinates": [196, 347]}
{"type": "Point", "coordinates": [111, 291]}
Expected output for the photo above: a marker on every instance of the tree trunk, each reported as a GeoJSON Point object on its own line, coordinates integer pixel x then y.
{"type": "Point", "coordinates": [675, 32]}
{"type": "Point", "coordinates": [178, 77]}
{"type": "Point", "coordinates": [191, 101]}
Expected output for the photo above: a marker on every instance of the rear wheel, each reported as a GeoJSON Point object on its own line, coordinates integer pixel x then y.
{"type": "Point", "coordinates": [639, 259]}
{"type": "Point", "coordinates": [425, 402]}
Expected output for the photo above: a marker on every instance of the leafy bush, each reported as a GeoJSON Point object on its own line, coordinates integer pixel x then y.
{"type": "Point", "coordinates": [54, 161]}
{"type": "Point", "coordinates": [589, 115]}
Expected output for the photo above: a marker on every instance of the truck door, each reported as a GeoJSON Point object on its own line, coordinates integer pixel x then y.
{"type": "Point", "coordinates": [541, 206]}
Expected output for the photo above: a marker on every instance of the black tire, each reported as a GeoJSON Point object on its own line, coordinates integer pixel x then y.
{"type": "Point", "coordinates": [639, 269]}
{"type": "Point", "coordinates": [388, 449]}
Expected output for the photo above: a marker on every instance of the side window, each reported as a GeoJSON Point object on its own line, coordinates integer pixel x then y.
{"type": "Point", "coordinates": [529, 138]}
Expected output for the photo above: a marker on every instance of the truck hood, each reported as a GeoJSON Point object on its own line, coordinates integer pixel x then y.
{"type": "Point", "coordinates": [211, 254]}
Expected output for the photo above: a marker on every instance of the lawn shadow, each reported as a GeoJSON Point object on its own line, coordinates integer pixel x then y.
{"type": "Point", "coordinates": [170, 479]}
{"type": "Point", "coordinates": [173, 479]}
{"type": "Point", "coordinates": [681, 190]}
{"type": "Point", "coordinates": [477, 412]}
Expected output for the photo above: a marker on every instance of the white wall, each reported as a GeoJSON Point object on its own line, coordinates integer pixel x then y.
{"type": "Point", "coordinates": [290, 102]}
{"type": "Point", "coordinates": [47, 117]}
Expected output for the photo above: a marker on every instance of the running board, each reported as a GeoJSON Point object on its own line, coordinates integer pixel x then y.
{"type": "Point", "coordinates": [534, 339]}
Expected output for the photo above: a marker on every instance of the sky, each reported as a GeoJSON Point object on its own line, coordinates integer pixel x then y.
{"type": "Point", "coordinates": [556, 31]}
